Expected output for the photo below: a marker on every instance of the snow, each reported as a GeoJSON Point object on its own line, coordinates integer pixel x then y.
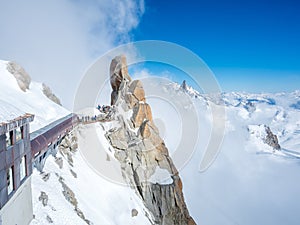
{"type": "Point", "coordinates": [14, 102]}
{"type": "Point", "coordinates": [258, 134]}
{"type": "Point", "coordinates": [101, 201]}
{"type": "Point", "coordinates": [247, 183]}
{"type": "Point", "coordinates": [161, 176]}
{"type": "Point", "coordinates": [8, 111]}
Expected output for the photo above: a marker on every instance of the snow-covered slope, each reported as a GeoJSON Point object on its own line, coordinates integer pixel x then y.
{"type": "Point", "coordinates": [249, 182]}
{"type": "Point", "coordinates": [15, 102]}
{"type": "Point", "coordinates": [98, 200]}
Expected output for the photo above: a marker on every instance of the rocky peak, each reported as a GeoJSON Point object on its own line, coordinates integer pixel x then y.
{"type": "Point", "coordinates": [271, 139]}
{"type": "Point", "coordinates": [183, 85]}
{"type": "Point", "coordinates": [264, 134]}
{"type": "Point", "coordinates": [144, 158]}
{"type": "Point", "coordinates": [118, 73]}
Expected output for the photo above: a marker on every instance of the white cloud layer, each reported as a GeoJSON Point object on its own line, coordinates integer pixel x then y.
{"type": "Point", "coordinates": [56, 40]}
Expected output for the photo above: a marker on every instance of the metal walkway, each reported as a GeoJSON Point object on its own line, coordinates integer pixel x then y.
{"type": "Point", "coordinates": [46, 140]}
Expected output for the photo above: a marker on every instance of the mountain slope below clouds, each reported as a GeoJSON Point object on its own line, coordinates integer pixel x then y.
{"type": "Point", "coordinates": [248, 183]}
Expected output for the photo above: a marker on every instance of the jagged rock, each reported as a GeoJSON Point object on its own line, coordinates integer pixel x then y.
{"type": "Point", "coordinates": [137, 90]}
{"type": "Point", "coordinates": [68, 146]}
{"type": "Point", "coordinates": [264, 134]}
{"type": "Point", "coordinates": [165, 201]}
{"type": "Point", "coordinates": [49, 219]}
{"type": "Point", "coordinates": [118, 139]}
{"type": "Point", "coordinates": [73, 173]}
{"type": "Point", "coordinates": [135, 93]}
{"type": "Point", "coordinates": [49, 94]}
{"type": "Point", "coordinates": [150, 134]}
{"type": "Point", "coordinates": [68, 193]}
{"type": "Point", "coordinates": [141, 152]}
{"type": "Point", "coordinates": [81, 215]}
{"type": "Point", "coordinates": [43, 198]}
{"type": "Point", "coordinates": [148, 129]}
{"type": "Point", "coordinates": [114, 96]}
{"type": "Point", "coordinates": [141, 112]}
{"type": "Point", "coordinates": [118, 72]}
{"type": "Point", "coordinates": [70, 197]}
{"type": "Point", "coordinates": [59, 162]}
{"type": "Point", "coordinates": [183, 85]}
{"type": "Point", "coordinates": [120, 155]}
{"type": "Point", "coordinates": [22, 77]}
{"type": "Point", "coordinates": [271, 139]}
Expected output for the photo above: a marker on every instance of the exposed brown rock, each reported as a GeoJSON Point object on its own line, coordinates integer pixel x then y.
{"type": "Point", "coordinates": [141, 151]}
{"type": "Point", "coordinates": [141, 112]}
{"type": "Point", "coordinates": [150, 135]}
{"type": "Point", "coordinates": [118, 73]}
{"type": "Point", "coordinates": [130, 100]}
{"type": "Point", "coordinates": [113, 97]}
{"type": "Point", "coordinates": [137, 90]}
{"type": "Point", "coordinates": [148, 129]}
{"type": "Point", "coordinates": [135, 93]}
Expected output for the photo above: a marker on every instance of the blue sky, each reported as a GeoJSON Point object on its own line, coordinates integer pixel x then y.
{"type": "Point", "coordinates": [250, 45]}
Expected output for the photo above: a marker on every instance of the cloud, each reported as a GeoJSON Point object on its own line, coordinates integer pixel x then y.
{"type": "Point", "coordinates": [56, 40]}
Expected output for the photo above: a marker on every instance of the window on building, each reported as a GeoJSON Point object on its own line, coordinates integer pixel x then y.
{"type": "Point", "coordinates": [19, 135]}
{"type": "Point", "coordinates": [9, 138]}
{"type": "Point", "coordinates": [22, 132]}
{"type": "Point", "coordinates": [10, 180]}
{"type": "Point", "coordinates": [23, 168]}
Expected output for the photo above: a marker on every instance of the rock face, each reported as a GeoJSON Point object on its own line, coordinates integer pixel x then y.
{"type": "Point", "coordinates": [141, 152]}
{"type": "Point", "coordinates": [48, 92]}
{"type": "Point", "coordinates": [271, 139]}
{"type": "Point", "coordinates": [20, 74]}
{"type": "Point", "coordinates": [68, 146]}
{"type": "Point", "coordinates": [264, 134]}
{"type": "Point", "coordinates": [183, 85]}
{"type": "Point", "coordinates": [118, 73]}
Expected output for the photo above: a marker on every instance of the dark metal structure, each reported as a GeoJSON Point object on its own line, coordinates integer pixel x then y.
{"type": "Point", "coordinates": [45, 140]}
{"type": "Point", "coordinates": [20, 150]}
{"type": "Point", "coordinates": [15, 156]}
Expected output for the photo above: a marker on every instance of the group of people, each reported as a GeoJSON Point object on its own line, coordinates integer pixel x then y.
{"type": "Point", "coordinates": [88, 118]}
{"type": "Point", "coordinates": [107, 114]}
{"type": "Point", "coordinates": [104, 108]}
